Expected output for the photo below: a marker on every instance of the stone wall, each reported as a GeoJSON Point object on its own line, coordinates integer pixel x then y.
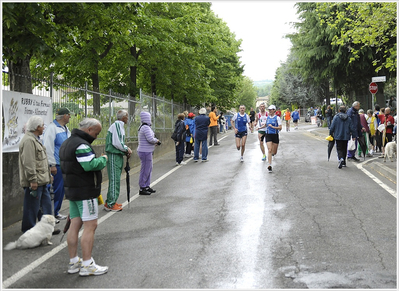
{"type": "Point", "coordinates": [13, 194]}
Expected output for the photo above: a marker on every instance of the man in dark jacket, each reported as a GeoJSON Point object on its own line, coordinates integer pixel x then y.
{"type": "Point", "coordinates": [353, 114]}
{"type": "Point", "coordinates": [82, 181]}
{"type": "Point", "coordinates": [201, 134]}
{"type": "Point", "coordinates": [341, 129]}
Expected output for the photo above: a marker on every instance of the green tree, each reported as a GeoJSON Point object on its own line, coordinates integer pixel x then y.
{"type": "Point", "coordinates": [247, 93]}
{"type": "Point", "coordinates": [28, 32]}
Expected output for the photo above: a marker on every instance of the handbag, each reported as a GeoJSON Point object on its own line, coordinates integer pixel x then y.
{"type": "Point", "coordinates": [191, 140]}
{"type": "Point", "coordinates": [351, 145]}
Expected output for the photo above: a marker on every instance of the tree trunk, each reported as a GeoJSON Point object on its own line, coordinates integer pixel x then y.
{"type": "Point", "coordinates": [154, 90]}
{"type": "Point", "coordinates": [20, 76]}
{"type": "Point", "coordinates": [153, 81]}
{"type": "Point", "coordinates": [96, 97]}
{"type": "Point", "coordinates": [133, 91]}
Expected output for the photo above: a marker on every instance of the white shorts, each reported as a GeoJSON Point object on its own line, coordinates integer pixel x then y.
{"type": "Point", "coordinates": [85, 209]}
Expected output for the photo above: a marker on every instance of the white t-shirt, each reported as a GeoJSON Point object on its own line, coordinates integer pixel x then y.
{"type": "Point", "coordinates": [262, 120]}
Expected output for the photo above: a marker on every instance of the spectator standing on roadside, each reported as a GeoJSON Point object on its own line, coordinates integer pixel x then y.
{"type": "Point", "coordinates": [372, 123]}
{"type": "Point", "coordinates": [365, 133]}
{"type": "Point", "coordinates": [295, 118]}
{"type": "Point", "coordinates": [190, 130]}
{"type": "Point", "coordinates": [180, 131]}
{"type": "Point", "coordinates": [389, 122]}
{"type": "Point", "coordinates": [222, 120]}
{"type": "Point", "coordinates": [34, 174]}
{"type": "Point", "coordinates": [213, 126]}
{"type": "Point", "coordinates": [329, 116]}
{"type": "Point", "coordinates": [378, 134]}
{"type": "Point", "coordinates": [353, 113]}
{"type": "Point", "coordinates": [201, 133]}
{"type": "Point", "coordinates": [116, 148]}
{"type": "Point", "coordinates": [54, 135]}
{"type": "Point", "coordinates": [287, 117]}
{"type": "Point", "coordinates": [82, 179]}
{"type": "Point", "coordinates": [145, 149]}
{"type": "Point", "coordinates": [342, 129]}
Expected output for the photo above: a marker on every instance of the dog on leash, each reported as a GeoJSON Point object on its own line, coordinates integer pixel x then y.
{"type": "Point", "coordinates": [38, 235]}
{"type": "Point", "coordinates": [390, 151]}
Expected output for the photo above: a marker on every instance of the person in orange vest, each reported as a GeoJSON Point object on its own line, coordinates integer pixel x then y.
{"type": "Point", "coordinates": [287, 117]}
{"type": "Point", "coordinates": [213, 126]}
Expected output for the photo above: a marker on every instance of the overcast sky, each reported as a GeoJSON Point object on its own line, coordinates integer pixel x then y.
{"type": "Point", "coordinates": [261, 25]}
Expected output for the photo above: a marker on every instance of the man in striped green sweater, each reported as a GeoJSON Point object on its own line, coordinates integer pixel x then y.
{"type": "Point", "coordinates": [116, 148]}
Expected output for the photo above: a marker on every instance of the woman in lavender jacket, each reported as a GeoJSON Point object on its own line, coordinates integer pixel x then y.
{"type": "Point", "coordinates": [147, 142]}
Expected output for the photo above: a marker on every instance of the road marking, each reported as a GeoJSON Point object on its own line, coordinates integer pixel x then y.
{"type": "Point", "coordinates": [375, 179]}
{"type": "Point", "coordinates": [21, 273]}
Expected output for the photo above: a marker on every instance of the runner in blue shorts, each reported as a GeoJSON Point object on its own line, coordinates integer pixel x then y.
{"type": "Point", "coordinates": [240, 123]}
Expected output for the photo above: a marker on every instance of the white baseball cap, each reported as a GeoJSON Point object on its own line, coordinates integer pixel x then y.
{"type": "Point", "coordinates": [272, 107]}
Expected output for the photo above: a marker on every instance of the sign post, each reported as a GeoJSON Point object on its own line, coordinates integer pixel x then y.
{"type": "Point", "coordinates": [373, 88]}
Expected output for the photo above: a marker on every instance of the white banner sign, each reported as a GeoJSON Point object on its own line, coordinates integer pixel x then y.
{"type": "Point", "coordinates": [17, 109]}
{"type": "Point", "coordinates": [379, 79]}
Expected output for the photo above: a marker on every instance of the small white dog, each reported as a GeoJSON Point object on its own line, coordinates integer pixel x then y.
{"type": "Point", "coordinates": [38, 235]}
{"type": "Point", "coordinates": [390, 151]}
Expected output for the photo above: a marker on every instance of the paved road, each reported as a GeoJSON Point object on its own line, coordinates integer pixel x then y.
{"type": "Point", "coordinates": [231, 225]}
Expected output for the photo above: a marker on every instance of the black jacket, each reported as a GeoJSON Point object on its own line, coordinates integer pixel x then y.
{"type": "Point", "coordinates": [79, 184]}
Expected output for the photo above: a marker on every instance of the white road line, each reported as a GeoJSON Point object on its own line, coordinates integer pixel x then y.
{"type": "Point", "coordinates": [375, 179]}
{"type": "Point", "coordinates": [14, 278]}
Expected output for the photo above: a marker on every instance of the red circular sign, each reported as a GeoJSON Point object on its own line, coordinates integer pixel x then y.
{"type": "Point", "coordinates": [373, 88]}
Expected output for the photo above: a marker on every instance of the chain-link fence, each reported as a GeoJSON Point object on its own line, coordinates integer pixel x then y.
{"type": "Point", "coordinates": [80, 100]}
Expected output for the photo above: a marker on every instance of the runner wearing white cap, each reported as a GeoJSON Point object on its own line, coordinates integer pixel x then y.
{"type": "Point", "coordinates": [273, 125]}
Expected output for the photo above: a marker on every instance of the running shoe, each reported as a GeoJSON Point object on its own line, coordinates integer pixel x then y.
{"type": "Point", "coordinates": [340, 164]}
{"type": "Point", "coordinates": [241, 159]}
{"type": "Point", "coordinates": [114, 208]}
{"type": "Point", "coordinates": [269, 168]}
{"type": "Point", "coordinates": [74, 267]}
{"type": "Point", "coordinates": [92, 270]}
{"type": "Point", "coordinates": [264, 158]}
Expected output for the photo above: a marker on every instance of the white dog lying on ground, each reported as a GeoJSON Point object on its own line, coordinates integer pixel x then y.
{"type": "Point", "coordinates": [390, 151]}
{"type": "Point", "coordinates": [39, 234]}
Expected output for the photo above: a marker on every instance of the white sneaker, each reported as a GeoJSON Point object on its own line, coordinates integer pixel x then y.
{"type": "Point", "coordinates": [183, 163]}
{"type": "Point", "coordinates": [74, 267]}
{"type": "Point", "coordinates": [241, 159]}
{"type": "Point", "coordinates": [93, 270]}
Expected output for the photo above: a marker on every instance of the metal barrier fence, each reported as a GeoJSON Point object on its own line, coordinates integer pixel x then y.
{"type": "Point", "coordinates": [80, 101]}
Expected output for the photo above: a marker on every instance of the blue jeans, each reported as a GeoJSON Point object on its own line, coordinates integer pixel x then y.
{"type": "Point", "coordinates": [204, 149]}
{"type": "Point", "coordinates": [58, 188]}
{"type": "Point", "coordinates": [32, 206]}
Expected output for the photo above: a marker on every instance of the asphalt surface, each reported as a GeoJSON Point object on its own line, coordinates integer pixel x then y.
{"type": "Point", "coordinates": [231, 225]}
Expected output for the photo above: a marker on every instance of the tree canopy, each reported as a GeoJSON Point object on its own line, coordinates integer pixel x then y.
{"type": "Point", "coordinates": [336, 50]}
{"type": "Point", "coordinates": [178, 50]}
